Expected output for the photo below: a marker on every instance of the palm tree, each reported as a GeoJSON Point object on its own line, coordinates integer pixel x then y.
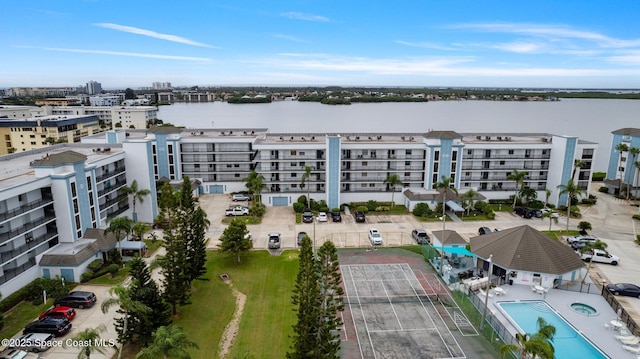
{"type": "Point", "coordinates": [518, 178]}
{"type": "Point", "coordinates": [89, 339]}
{"type": "Point", "coordinates": [444, 185]}
{"type": "Point", "coordinates": [119, 226]}
{"type": "Point", "coordinates": [306, 176]}
{"type": "Point", "coordinates": [634, 154]}
{"type": "Point", "coordinates": [121, 298]}
{"type": "Point", "coordinates": [255, 184]}
{"type": "Point", "coordinates": [393, 181]}
{"type": "Point", "coordinates": [589, 247]}
{"type": "Point", "coordinates": [572, 190]}
{"type": "Point", "coordinates": [576, 164]}
{"type": "Point", "coordinates": [551, 215]}
{"type": "Point", "coordinates": [137, 194]}
{"type": "Point", "coordinates": [538, 345]}
{"type": "Point", "coordinates": [547, 194]}
{"type": "Point", "coordinates": [168, 342]}
{"type": "Point", "coordinates": [470, 195]}
{"type": "Point", "coordinates": [620, 147]}
{"type": "Point", "coordinates": [529, 194]}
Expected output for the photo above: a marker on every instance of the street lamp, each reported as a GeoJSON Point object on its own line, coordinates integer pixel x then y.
{"type": "Point", "coordinates": [486, 295]}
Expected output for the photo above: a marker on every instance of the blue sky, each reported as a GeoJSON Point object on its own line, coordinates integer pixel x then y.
{"type": "Point", "coordinates": [541, 43]}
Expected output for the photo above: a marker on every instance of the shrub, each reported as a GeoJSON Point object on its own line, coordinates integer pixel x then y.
{"type": "Point", "coordinates": [589, 201]}
{"type": "Point", "coordinates": [299, 207]}
{"type": "Point", "coordinates": [422, 210]}
{"type": "Point", "coordinates": [111, 268]}
{"type": "Point", "coordinates": [551, 205]}
{"type": "Point", "coordinates": [95, 265]}
{"type": "Point", "coordinates": [363, 209]}
{"type": "Point", "coordinates": [382, 209]}
{"type": "Point", "coordinates": [501, 201]}
{"type": "Point", "coordinates": [603, 189]}
{"type": "Point", "coordinates": [302, 199]}
{"type": "Point", "coordinates": [636, 216]}
{"type": "Point", "coordinates": [113, 256]}
{"type": "Point", "coordinates": [491, 215]}
{"type": "Point", "coordinates": [86, 276]}
{"type": "Point", "coordinates": [335, 209]}
{"type": "Point", "coordinates": [372, 205]}
{"type": "Point", "coordinates": [324, 209]}
{"type": "Point", "coordinates": [598, 176]}
{"type": "Point", "coordinates": [33, 291]}
{"type": "Point", "coordinates": [536, 204]}
{"type": "Point", "coordinates": [258, 209]}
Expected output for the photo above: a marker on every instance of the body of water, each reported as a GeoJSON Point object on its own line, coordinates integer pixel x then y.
{"type": "Point", "coordinates": [589, 119]}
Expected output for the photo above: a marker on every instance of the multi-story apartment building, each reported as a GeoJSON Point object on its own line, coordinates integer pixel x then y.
{"type": "Point", "coordinates": [354, 166]}
{"type": "Point", "coordinates": [126, 117]}
{"type": "Point", "coordinates": [21, 135]}
{"type": "Point", "coordinates": [66, 101]}
{"type": "Point", "coordinates": [50, 198]}
{"type": "Point", "coordinates": [105, 100]}
{"type": "Point", "coordinates": [93, 87]}
{"type": "Point", "coordinates": [624, 166]}
{"type": "Point", "coordinates": [41, 91]}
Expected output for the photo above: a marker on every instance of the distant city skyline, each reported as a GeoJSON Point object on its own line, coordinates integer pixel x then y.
{"type": "Point", "coordinates": [541, 44]}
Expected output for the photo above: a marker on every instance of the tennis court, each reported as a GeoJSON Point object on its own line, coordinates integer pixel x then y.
{"type": "Point", "coordinates": [394, 316]}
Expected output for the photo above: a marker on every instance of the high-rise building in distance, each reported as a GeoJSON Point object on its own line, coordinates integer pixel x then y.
{"type": "Point", "coordinates": [94, 87]}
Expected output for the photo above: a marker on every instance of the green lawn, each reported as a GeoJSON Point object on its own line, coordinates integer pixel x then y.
{"type": "Point", "coordinates": [268, 317]}
{"type": "Point", "coordinates": [17, 317]}
{"type": "Point", "coordinates": [555, 234]}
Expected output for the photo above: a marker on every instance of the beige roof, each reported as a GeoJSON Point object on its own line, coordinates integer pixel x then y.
{"type": "Point", "coordinates": [525, 248]}
{"type": "Point", "coordinates": [449, 237]}
{"type": "Point", "coordinates": [450, 135]}
{"type": "Point", "coordinates": [61, 158]}
{"type": "Point", "coordinates": [73, 254]}
{"type": "Point", "coordinates": [627, 131]}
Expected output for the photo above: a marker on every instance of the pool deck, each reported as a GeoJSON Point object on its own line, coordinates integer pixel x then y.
{"type": "Point", "coordinates": [590, 326]}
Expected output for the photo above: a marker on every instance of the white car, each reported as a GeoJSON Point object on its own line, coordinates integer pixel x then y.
{"type": "Point", "coordinates": [240, 197]}
{"type": "Point", "coordinates": [322, 217]}
{"type": "Point", "coordinates": [236, 211]}
{"type": "Point", "coordinates": [375, 237]}
{"type": "Point", "coordinates": [600, 256]}
{"type": "Point", "coordinates": [581, 238]}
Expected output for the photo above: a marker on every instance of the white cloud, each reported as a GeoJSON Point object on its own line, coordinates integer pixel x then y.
{"type": "Point", "coordinates": [520, 47]}
{"type": "Point", "coordinates": [288, 37]}
{"type": "Point", "coordinates": [306, 17]}
{"type": "Point", "coordinates": [149, 33]}
{"type": "Point", "coordinates": [118, 53]}
{"type": "Point", "coordinates": [427, 45]}
{"type": "Point", "coordinates": [629, 58]}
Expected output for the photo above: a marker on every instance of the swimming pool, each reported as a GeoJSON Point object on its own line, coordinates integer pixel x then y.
{"type": "Point", "coordinates": [568, 343]}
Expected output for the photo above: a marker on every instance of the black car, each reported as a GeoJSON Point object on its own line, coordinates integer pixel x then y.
{"type": "Point", "coordinates": [523, 212]}
{"type": "Point", "coordinates": [77, 299]}
{"type": "Point", "coordinates": [627, 289]}
{"type": "Point", "coordinates": [55, 326]}
{"type": "Point", "coordinates": [307, 216]}
{"type": "Point", "coordinates": [359, 216]}
{"type": "Point", "coordinates": [484, 230]}
{"type": "Point", "coordinates": [336, 217]}
{"type": "Point", "coordinates": [301, 235]}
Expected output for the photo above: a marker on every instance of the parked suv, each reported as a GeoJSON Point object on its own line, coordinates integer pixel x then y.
{"type": "Point", "coordinates": [375, 237]}
{"type": "Point", "coordinates": [523, 212]}
{"type": "Point", "coordinates": [34, 342]}
{"type": "Point", "coordinates": [336, 217]}
{"type": "Point", "coordinates": [77, 299]}
{"type": "Point", "coordinates": [240, 197]}
{"type": "Point", "coordinates": [307, 216]}
{"type": "Point", "coordinates": [55, 326]}
{"type": "Point", "coordinates": [274, 240]}
{"type": "Point", "coordinates": [359, 216]}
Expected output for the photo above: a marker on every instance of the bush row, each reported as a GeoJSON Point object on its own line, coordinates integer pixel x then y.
{"type": "Point", "coordinates": [32, 292]}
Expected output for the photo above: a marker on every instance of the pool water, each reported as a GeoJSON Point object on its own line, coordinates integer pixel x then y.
{"type": "Point", "coordinates": [584, 309]}
{"type": "Point", "coordinates": [567, 342]}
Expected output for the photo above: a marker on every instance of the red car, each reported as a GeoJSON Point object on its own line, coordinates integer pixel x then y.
{"type": "Point", "coordinates": [59, 312]}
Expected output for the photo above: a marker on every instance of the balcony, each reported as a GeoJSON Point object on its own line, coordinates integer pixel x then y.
{"type": "Point", "coordinates": [16, 271]}
{"type": "Point", "coordinates": [8, 255]}
{"type": "Point", "coordinates": [112, 188]}
{"type": "Point", "coordinates": [27, 227]}
{"type": "Point", "coordinates": [507, 157]}
{"type": "Point", "coordinates": [25, 208]}
{"type": "Point", "coordinates": [110, 173]}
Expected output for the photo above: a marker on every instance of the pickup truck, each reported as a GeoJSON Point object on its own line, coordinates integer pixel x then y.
{"type": "Point", "coordinates": [600, 256]}
{"type": "Point", "coordinates": [237, 211]}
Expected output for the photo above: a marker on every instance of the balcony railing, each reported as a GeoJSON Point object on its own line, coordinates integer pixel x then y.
{"type": "Point", "coordinates": [14, 272]}
{"type": "Point", "coordinates": [32, 224]}
{"type": "Point", "coordinates": [8, 255]}
{"type": "Point", "coordinates": [507, 157]}
{"type": "Point", "coordinates": [113, 188]}
{"type": "Point", "coordinates": [110, 173]}
{"type": "Point", "coordinates": [24, 208]}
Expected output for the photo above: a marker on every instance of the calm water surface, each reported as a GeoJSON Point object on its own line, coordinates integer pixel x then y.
{"type": "Point", "coordinates": [591, 120]}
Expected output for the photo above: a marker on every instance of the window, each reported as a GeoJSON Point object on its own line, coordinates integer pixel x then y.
{"type": "Point", "coordinates": [436, 156]}
{"type": "Point", "coordinates": [435, 167]}
{"type": "Point", "coordinates": [469, 152]}
{"type": "Point", "coordinates": [365, 152]}
{"type": "Point", "coordinates": [302, 164]}
{"type": "Point", "coordinates": [501, 163]}
{"type": "Point", "coordinates": [301, 153]}
{"type": "Point", "coordinates": [294, 164]}
{"type": "Point", "coordinates": [294, 175]}
{"type": "Point", "coordinates": [74, 193]}
{"type": "Point", "coordinates": [454, 155]}
{"type": "Point", "coordinates": [408, 163]}
{"type": "Point", "coordinates": [408, 152]}
{"type": "Point", "coordinates": [364, 174]}
{"type": "Point", "coordinates": [407, 174]}
{"type": "Point", "coordinates": [364, 163]}
{"type": "Point", "coordinates": [294, 185]}
{"type": "Point", "coordinates": [293, 153]}
{"type": "Point", "coordinates": [372, 184]}
{"type": "Point", "coordinates": [510, 152]}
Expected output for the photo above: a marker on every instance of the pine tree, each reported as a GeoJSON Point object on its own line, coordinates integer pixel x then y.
{"type": "Point", "coordinates": [305, 299]}
{"type": "Point", "coordinates": [330, 302]}
{"type": "Point", "coordinates": [145, 290]}
{"type": "Point", "coordinates": [196, 244]}
{"type": "Point", "coordinates": [234, 239]}
{"type": "Point", "coordinates": [176, 284]}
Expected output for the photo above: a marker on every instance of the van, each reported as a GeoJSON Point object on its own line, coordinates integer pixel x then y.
{"type": "Point", "coordinates": [55, 326]}
{"type": "Point", "coordinates": [76, 299]}
{"type": "Point", "coordinates": [34, 342]}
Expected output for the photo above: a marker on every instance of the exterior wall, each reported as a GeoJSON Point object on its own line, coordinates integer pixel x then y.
{"type": "Point", "coordinates": [139, 164]}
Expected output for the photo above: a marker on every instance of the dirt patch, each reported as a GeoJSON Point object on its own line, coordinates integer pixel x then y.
{"type": "Point", "coordinates": [231, 330]}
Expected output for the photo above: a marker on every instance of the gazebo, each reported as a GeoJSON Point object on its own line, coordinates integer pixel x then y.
{"type": "Point", "coordinates": [524, 255]}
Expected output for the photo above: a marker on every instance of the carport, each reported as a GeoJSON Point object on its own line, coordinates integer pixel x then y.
{"type": "Point", "coordinates": [454, 206]}
{"type": "Point", "coordinates": [131, 248]}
